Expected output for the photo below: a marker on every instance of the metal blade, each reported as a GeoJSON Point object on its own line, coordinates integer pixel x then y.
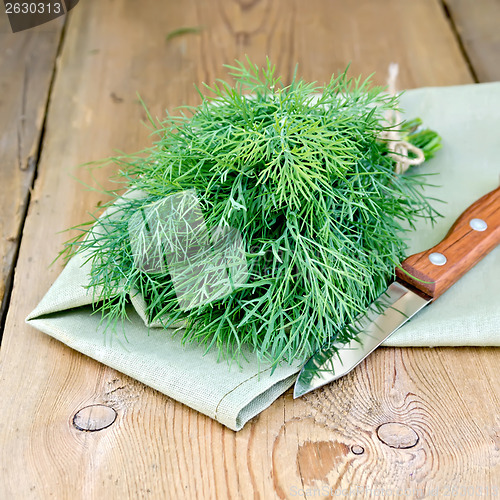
{"type": "Point", "coordinates": [391, 310]}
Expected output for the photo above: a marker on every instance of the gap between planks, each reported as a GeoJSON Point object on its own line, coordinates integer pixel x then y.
{"type": "Point", "coordinates": [27, 163]}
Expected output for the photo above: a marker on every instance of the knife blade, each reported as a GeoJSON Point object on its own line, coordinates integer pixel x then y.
{"type": "Point", "coordinates": [420, 280]}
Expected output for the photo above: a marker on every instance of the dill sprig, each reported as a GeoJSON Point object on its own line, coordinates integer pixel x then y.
{"type": "Point", "coordinates": [300, 172]}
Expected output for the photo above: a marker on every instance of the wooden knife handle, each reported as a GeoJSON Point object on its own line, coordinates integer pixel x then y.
{"type": "Point", "coordinates": [475, 233]}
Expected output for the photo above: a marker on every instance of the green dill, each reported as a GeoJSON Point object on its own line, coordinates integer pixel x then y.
{"type": "Point", "coordinates": [299, 170]}
{"type": "Point", "coordinates": [187, 30]}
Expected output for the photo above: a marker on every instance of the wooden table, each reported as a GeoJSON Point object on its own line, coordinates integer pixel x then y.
{"type": "Point", "coordinates": [419, 422]}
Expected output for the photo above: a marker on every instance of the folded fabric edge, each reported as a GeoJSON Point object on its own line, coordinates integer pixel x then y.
{"type": "Point", "coordinates": [224, 413]}
{"type": "Point", "coordinates": [44, 325]}
{"type": "Point", "coordinates": [263, 401]}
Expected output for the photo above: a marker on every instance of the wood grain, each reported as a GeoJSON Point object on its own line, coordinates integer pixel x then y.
{"type": "Point", "coordinates": [27, 61]}
{"type": "Point", "coordinates": [463, 247]}
{"type": "Point", "coordinates": [477, 25]}
{"type": "Point", "coordinates": [356, 433]}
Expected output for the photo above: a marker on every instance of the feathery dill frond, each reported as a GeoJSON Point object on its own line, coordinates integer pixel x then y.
{"type": "Point", "coordinates": [300, 172]}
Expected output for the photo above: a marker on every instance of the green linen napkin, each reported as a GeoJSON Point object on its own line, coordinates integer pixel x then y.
{"type": "Point", "coordinates": [468, 119]}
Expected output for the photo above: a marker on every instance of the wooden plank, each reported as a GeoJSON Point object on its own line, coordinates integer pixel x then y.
{"type": "Point", "coordinates": [27, 62]}
{"type": "Point", "coordinates": [477, 25]}
{"type": "Point", "coordinates": [443, 403]}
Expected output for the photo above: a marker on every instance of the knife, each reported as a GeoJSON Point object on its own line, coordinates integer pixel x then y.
{"type": "Point", "coordinates": [420, 280]}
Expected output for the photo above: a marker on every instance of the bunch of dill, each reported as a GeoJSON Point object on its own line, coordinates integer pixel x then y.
{"type": "Point", "coordinates": [300, 173]}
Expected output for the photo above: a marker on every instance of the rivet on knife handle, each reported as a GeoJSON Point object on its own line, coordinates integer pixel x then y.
{"type": "Point", "coordinates": [475, 233]}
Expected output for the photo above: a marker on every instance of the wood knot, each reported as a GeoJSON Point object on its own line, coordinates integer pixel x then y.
{"type": "Point", "coordinates": [94, 418]}
{"type": "Point", "coordinates": [357, 450]}
{"type": "Point", "coordinates": [397, 435]}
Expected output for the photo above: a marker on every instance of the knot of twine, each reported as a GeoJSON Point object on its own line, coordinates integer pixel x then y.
{"type": "Point", "coordinates": [399, 148]}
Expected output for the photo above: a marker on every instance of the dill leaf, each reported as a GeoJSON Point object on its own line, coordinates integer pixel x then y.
{"type": "Point", "coordinates": [299, 170]}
